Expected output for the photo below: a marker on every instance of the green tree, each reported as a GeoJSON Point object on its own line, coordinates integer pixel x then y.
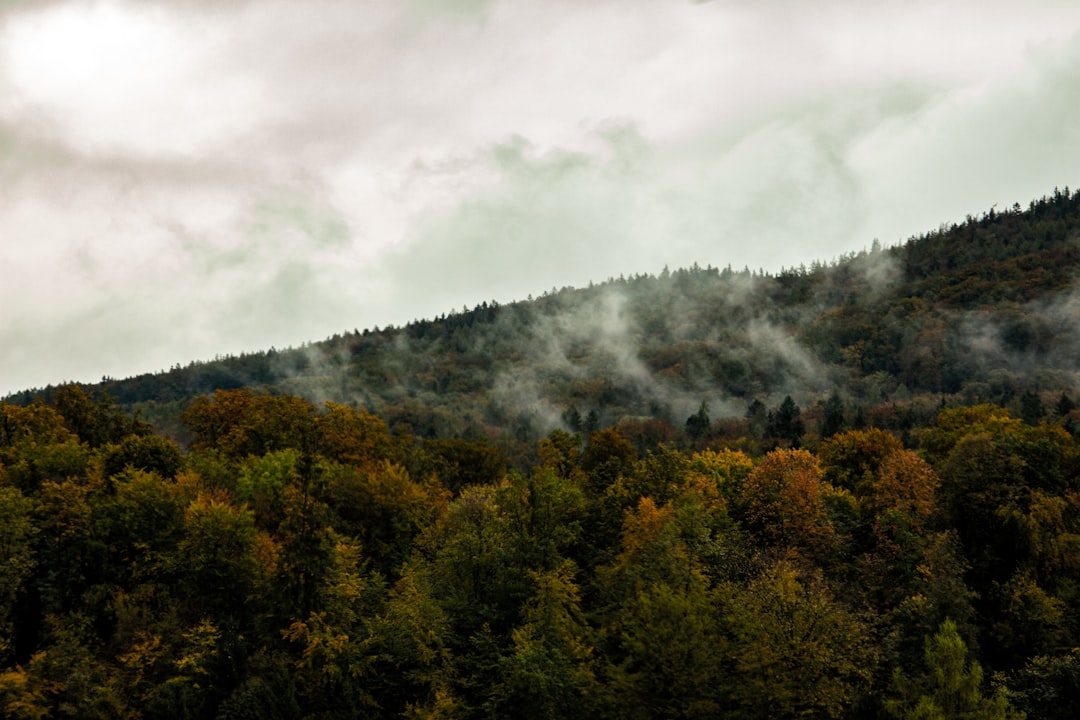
{"type": "Point", "coordinates": [416, 638]}
{"type": "Point", "coordinates": [951, 686]}
{"type": "Point", "coordinates": [474, 573]}
{"type": "Point", "coordinates": [98, 421]}
{"type": "Point", "coordinates": [1048, 687]}
{"type": "Point", "coordinates": [143, 452]}
{"type": "Point", "coordinates": [786, 423]}
{"type": "Point", "coordinates": [728, 469]}
{"type": "Point", "coordinates": [795, 651]}
{"type": "Point", "coordinates": [384, 507]}
{"type": "Point", "coordinates": [697, 425]}
{"type": "Point", "coordinates": [608, 456]}
{"type": "Point", "coordinates": [549, 670]}
{"type": "Point", "coordinates": [335, 671]}
{"type": "Point", "coordinates": [833, 416]}
{"type": "Point", "coordinates": [17, 560]}
{"type": "Point", "coordinates": [659, 626]}
{"type": "Point", "coordinates": [1031, 407]}
{"type": "Point", "coordinates": [217, 557]}
{"type": "Point", "coordinates": [757, 419]}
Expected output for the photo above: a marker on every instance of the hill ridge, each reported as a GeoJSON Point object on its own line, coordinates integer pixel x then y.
{"type": "Point", "coordinates": [979, 309]}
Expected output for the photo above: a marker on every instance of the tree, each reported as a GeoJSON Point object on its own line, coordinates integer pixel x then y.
{"type": "Point", "coordinates": [1031, 407]}
{"type": "Point", "coordinates": [833, 420]}
{"type": "Point", "coordinates": [795, 651]}
{"type": "Point", "coordinates": [728, 469]}
{"type": "Point", "coordinates": [140, 523]}
{"type": "Point", "coordinates": [608, 456]}
{"type": "Point", "coordinates": [17, 561]}
{"type": "Point", "coordinates": [697, 425]}
{"type": "Point", "coordinates": [472, 572]}
{"type": "Point", "coordinates": [572, 418]}
{"type": "Point", "coordinates": [96, 422]}
{"type": "Point", "coordinates": [592, 423]}
{"type": "Point", "coordinates": [561, 452]}
{"type": "Point", "coordinates": [69, 552]}
{"type": "Point", "coordinates": [951, 686]}
{"type": "Point", "coordinates": [852, 460]}
{"type": "Point", "coordinates": [757, 419]}
{"type": "Point", "coordinates": [659, 623]}
{"type": "Point", "coordinates": [549, 670]}
{"type": "Point", "coordinates": [786, 423]}
{"type": "Point", "coordinates": [217, 556]}
{"type": "Point", "coordinates": [243, 422]}
{"type": "Point", "coordinates": [143, 452]}
{"type": "Point", "coordinates": [463, 463]}
{"type": "Point", "coordinates": [783, 503]}
{"type": "Point", "coordinates": [337, 650]}
{"type": "Point", "coordinates": [1048, 687]}
{"type": "Point", "coordinates": [384, 507]}
{"type": "Point", "coordinates": [897, 517]}
{"type": "Point", "coordinates": [353, 437]}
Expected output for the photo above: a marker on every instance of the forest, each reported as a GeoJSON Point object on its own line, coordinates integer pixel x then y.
{"type": "Point", "coordinates": [844, 491]}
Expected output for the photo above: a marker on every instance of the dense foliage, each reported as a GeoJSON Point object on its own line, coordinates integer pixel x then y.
{"type": "Point", "coordinates": [302, 561]}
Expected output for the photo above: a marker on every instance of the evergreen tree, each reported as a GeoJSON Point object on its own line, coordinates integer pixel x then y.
{"type": "Point", "coordinates": [833, 420]}
{"type": "Point", "coordinates": [592, 422]}
{"type": "Point", "coordinates": [1031, 407]}
{"type": "Point", "coordinates": [697, 425]}
{"type": "Point", "coordinates": [786, 423]}
{"type": "Point", "coordinates": [572, 418]}
{"type": "Point", "coordinates": [757, 419]}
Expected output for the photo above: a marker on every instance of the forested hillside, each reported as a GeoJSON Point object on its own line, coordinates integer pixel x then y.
{"type": "Point", "coordinates": [845, 491]}
{"type": "Point", "coordinates": [979, 312]}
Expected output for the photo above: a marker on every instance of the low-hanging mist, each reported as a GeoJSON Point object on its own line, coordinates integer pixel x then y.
{"type": "Point", "coordinates": [980, 311]}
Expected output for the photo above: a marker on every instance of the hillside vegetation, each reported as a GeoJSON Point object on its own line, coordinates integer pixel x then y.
{"type": "Point", "coordinates": [984, 311]}
{"type": "Point", "coordinates": [845, 491]}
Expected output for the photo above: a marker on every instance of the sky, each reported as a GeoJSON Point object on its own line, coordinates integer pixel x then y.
{"type": "Point", "coordinates": [181, 179]}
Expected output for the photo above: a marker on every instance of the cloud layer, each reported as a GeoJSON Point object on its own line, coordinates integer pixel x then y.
{"type": "Point", "coordinates": [181, 179]}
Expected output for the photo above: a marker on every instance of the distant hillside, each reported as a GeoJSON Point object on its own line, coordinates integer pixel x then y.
{"type": "Point", "coordinates": [980, 311]}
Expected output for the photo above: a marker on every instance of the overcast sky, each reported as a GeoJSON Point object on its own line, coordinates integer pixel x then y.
{"type": "Point", "coordinates": [185, 178]}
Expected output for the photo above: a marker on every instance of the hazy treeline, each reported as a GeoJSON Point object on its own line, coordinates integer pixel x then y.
{"type": "Point", "coordinates": [982, 311]}
{"type": "Point", "coordinates": [303, 561]}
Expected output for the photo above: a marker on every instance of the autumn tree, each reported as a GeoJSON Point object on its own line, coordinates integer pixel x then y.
{"type": "Point", "coordinates": [242, 422]}
{"type": "Point", "coordinates": [660, 628]}
{"type": "Point", "coordinates": [852, 460]}
{"type": "Point", "coordinates": [783, 503]}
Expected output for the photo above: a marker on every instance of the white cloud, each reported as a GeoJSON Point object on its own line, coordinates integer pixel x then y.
{"type": "Point", "coordinates": [111, 78]}
{"type": "Point", "coordinates": [179, 179]}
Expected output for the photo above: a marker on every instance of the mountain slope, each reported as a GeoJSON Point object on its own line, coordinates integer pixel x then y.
{"type": "Point", "coordinates": [982, 310]}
